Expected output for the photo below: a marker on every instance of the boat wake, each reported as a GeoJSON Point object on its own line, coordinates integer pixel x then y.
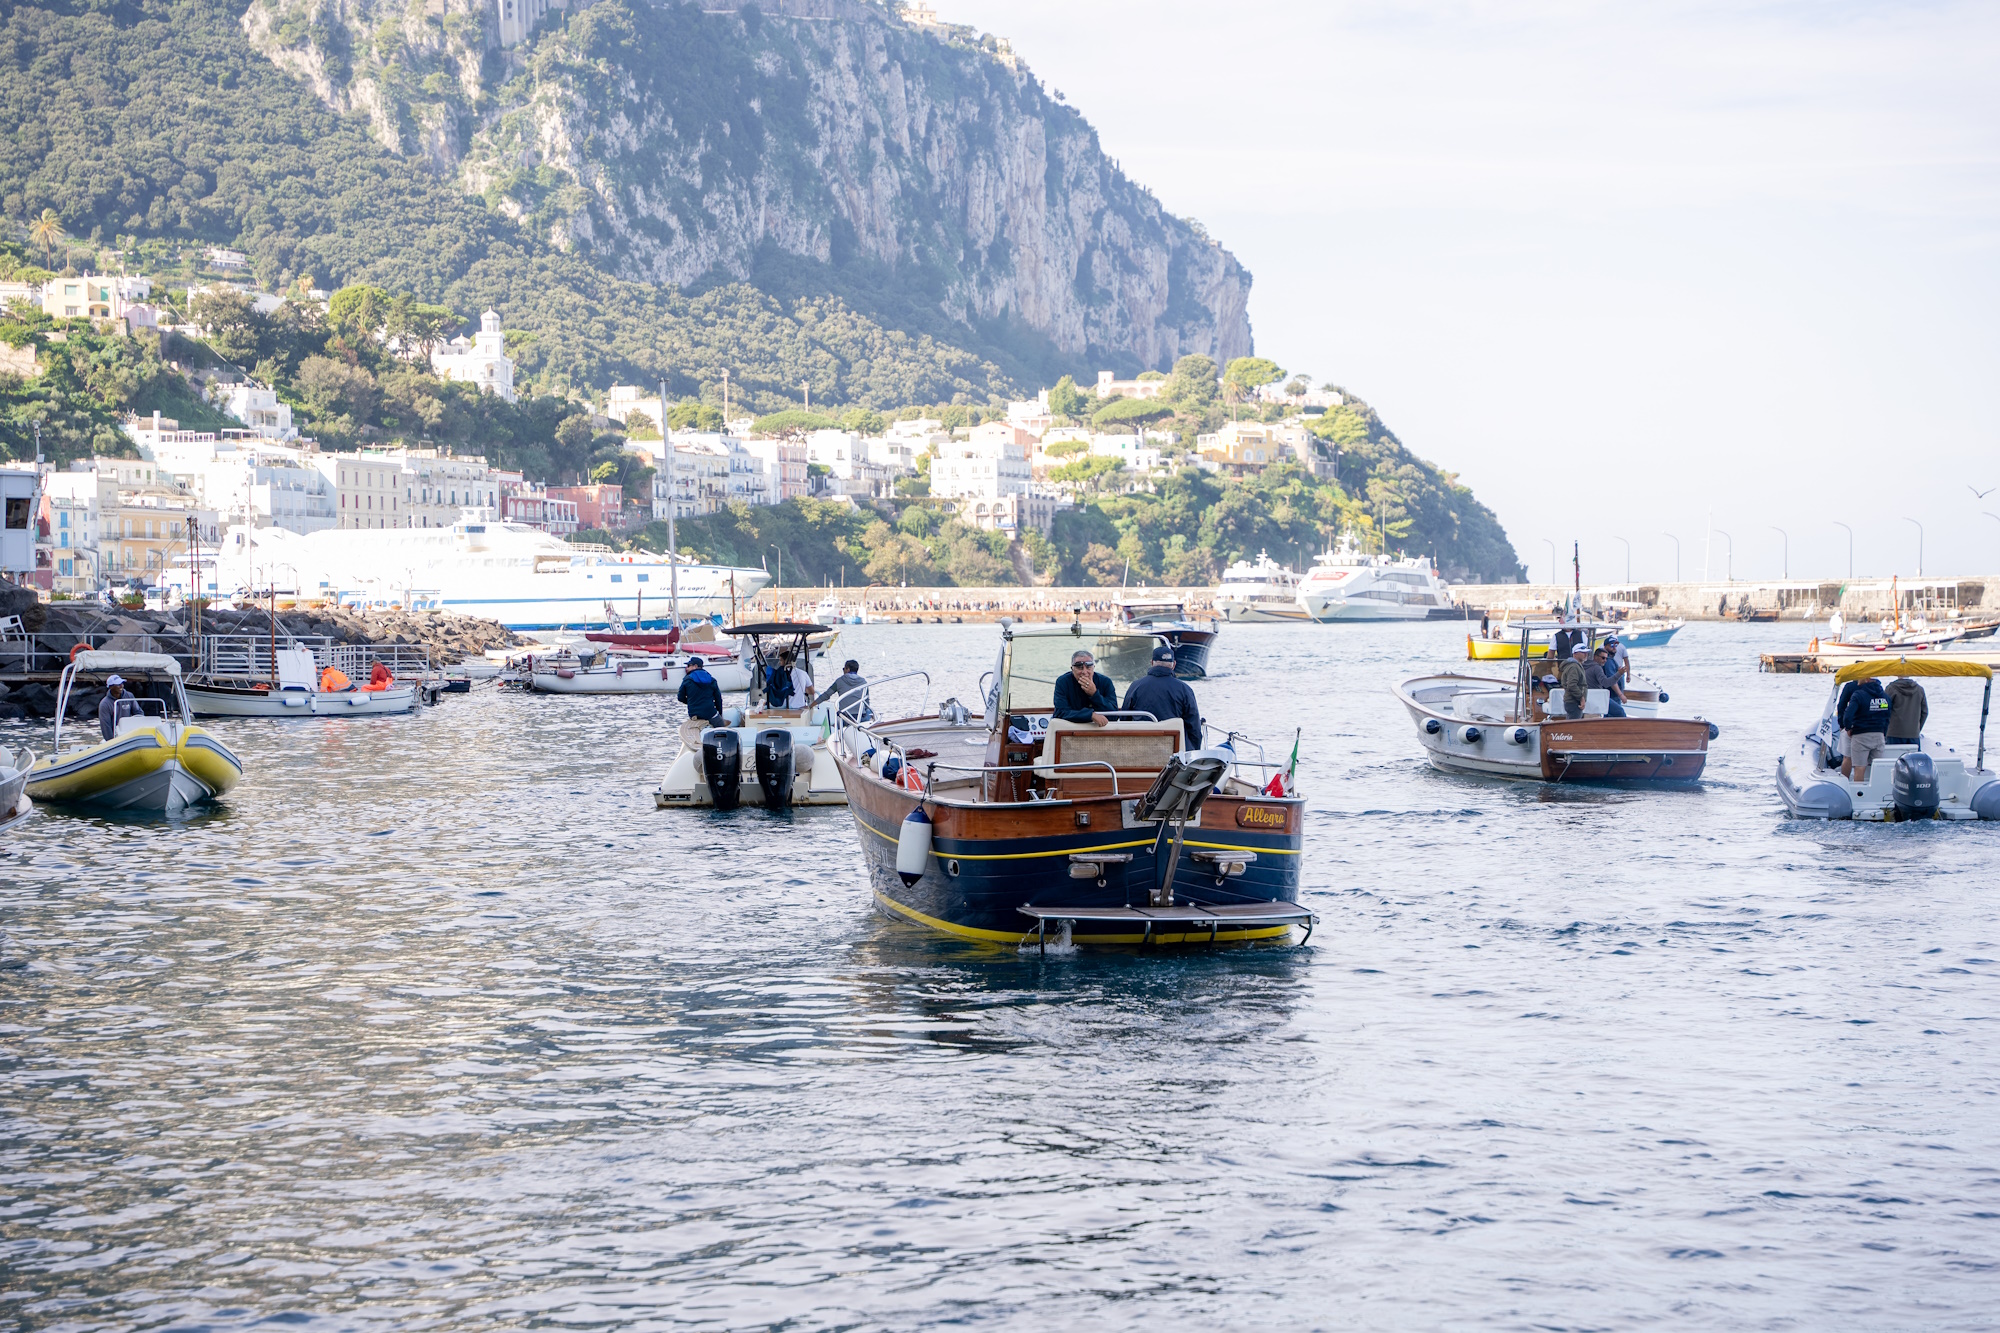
{"type": "Point", "coordinates": [1058, 943]}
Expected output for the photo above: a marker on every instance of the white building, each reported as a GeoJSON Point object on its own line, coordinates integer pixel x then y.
{"type": "Point", "coordinates": [438, 488]}
{"type": "Point", "coordinates": [786, 464]}
{"type": "Point", "coordinates": [743, 477]}
{"type": "Point", "coordinates": [97, 296]}
{"type": "Point", "coordinates": [625, 399]}
{"type": "Point", "coordinates": [270, 488]}
{"type": "Point", "coordinates": [846, 457]}
{"type": "Point", "coordinates": [70, 502]}
{"type": "Point", "coordinates": [482, 360]}
{"type": "Point", "coordinates": [1110, 386]}
{"type": "Point", "coordinates": [992, 462]}
{"type": "Point", "coordinates": [260, 409]}
{"type": "Point", "coordinates": [368, 489]}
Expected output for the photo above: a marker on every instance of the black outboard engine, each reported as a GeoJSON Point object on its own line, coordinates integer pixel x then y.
{"type": "Point", "coordinates": [722, 765]}
{"type": "Point", "coordinates": [774, 768]}
{"type": "Point", "coordinates": [1915, 786]}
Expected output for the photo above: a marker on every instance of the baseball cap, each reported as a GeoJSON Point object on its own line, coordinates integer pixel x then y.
{"type": "Point", "coordinates": [1163, 654]}
{"type": "Point", "coordinates": [115, 680]}
{"type": "Point", "coordinates": [1579, 651]}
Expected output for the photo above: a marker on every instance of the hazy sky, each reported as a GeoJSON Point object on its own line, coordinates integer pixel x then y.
{"type": "Point", "coordinates": [1620, 266]}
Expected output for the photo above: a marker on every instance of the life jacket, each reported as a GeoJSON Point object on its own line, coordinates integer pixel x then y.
{"type": "Point", "coordinates": [333, 680]}
{"type": "Point", "coordinates": [379, 678]}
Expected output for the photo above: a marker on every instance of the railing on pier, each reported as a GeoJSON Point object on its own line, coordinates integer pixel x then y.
{"type": "Point", "coordinates": [28, 656]}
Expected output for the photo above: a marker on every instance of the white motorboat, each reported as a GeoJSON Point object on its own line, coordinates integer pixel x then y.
{"type": "Point", "coordinates": [1924, 780]}
{"type": "Point", "coordinates": [767, 742]}
{"type": "Point", "coordinates": [1258, 590]}
{"type": "Point", "coordinates": [14, 801]}
{"type": "Point", "coordinates": [622, 673]}
{"type": "Point", "coordinates": [298, 691]}
{"type": "Point", "coordinates": [1346, 584]}
{"type": "Point", "coordinates": [520, 576]}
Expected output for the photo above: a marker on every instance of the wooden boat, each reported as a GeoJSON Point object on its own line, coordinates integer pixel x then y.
{"type": "Point", "coordinates": [1497, 727]}
{"type": "Point", "coordinates": [1010, 827]}
{"type": "Point", "coordinates": [760, 755]}
{"type": "Point", "coordinates": [1927, 780]}
{"type": "Point", "coordinates": [156, 761]}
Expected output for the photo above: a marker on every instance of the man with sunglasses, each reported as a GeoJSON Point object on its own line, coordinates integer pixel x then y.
{"type": "Point", "coordinates": [1084, 695]}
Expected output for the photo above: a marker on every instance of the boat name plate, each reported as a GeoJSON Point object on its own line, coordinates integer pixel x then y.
{"type": "Point", "coordinates": [1261, 816]}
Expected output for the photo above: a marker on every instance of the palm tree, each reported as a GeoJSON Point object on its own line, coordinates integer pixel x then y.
{"type": "Point", "coordinates": [47, 232]}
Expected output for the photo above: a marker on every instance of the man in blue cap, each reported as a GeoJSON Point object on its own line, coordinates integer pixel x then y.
{"type": "Point", "coordinates": [703, 698]}
{"type": "Point", "coordinates": [115, 704]}
{"type": "Point", "coordinates": [1165, 695]}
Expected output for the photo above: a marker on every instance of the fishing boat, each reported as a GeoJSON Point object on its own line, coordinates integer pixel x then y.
{"type": "Point", "coordinates": [762, 755]}
{"type": "Point", "coordinates": [1020, 826]}
{"type": "Point", "coordinates": [1925, 780]}
{"type": "Point", "coordinates": [1496, 727]}
{"type": "Point", "coordinates": [158, 760]}
{"type": "Point", "coordinates": [299, 689]}
{"type": "Point", "coordinates": [1259, 590]}
{"type": "Point", "coordinates": [1502, 642]}
{"type": "Point", "coordinates": [1649, 633]}
{"type": "Point", "coordinates": [603, 672]}
{"type": "Point", "coordinates": [1346, 584]}
{"type": "Point", "coordinates": [1168, 620]}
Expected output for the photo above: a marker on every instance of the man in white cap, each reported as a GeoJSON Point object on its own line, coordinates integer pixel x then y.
{"type": "Point", "coordinates": [1575, 682]}
{"type": "Point", "coordinates": [115, 704]}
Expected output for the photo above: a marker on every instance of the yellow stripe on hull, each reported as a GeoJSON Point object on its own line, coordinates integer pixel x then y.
{"type": "Point", "coordinates": [1493, 650]}
{"type": "Point", "coordinates": [145, 768]}
{"type": "Point", "coordinates": [1020, 936]}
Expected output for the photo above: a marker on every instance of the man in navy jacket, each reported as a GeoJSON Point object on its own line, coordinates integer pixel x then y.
{"type": "Point", "coordinates": [1865, 719]}
{"type": "Point", "coordinates": [1164, 695]}
{"type": "Point", "coordinates": [703, 698]}
{"type": "Point", "coordinates": [1084, 695]}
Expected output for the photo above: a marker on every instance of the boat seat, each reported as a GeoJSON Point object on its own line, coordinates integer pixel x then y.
{"type": "Point", "coordinates": [1136, 751]}
{"type": "Point", "coordinates": [1596, 703]}
{"type": "Point", "coordinates": [1483, 707]}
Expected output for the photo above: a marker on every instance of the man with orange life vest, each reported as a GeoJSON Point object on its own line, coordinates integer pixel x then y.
{"type": "Point", "coordinates": [333, 680]}
{"type": "Point", "coordinates": [379, 678]}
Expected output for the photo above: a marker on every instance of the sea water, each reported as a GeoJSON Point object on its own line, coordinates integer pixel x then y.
{"type": "Point", "coordinates": [437, 1023]}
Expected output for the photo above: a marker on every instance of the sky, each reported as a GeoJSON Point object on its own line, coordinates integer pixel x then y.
{"type": "Point", "coordinates": [1636, 271]}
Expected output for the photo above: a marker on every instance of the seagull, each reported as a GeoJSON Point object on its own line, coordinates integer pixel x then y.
{"type": "Point", "coordinates": [1979, 494]}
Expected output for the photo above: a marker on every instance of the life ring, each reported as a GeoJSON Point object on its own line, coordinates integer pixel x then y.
{"type": "Point", "coordinates": [80, 648]}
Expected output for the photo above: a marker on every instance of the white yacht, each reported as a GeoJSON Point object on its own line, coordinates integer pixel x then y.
{"type": "Point", "coordinates": [522, 577]}
{"type": "Point", "coordinates": [1260, 589]}
{"type": "Point", "coordinates": [1345, 584]}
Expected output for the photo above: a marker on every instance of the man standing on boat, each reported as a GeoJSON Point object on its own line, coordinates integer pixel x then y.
{"type": "Point", "coordinates": [1084, 695]}
{"type": "Point", "coordinates": [1575, 682]}
{"type": "Point", "coordinates": [854, 708]}
{"type": "Point", "coordinates": [703, 698]}
{"type": "Point", "coordinates": [1165, 695]}
{"type": "Point", "coordinates": [114, 705]}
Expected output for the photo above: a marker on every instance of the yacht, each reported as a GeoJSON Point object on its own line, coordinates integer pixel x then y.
{"type": "Point", "coordinates": [1260, 589]}
{"type": "Point", "coordinates": [522, 577]}
{"type": "Point", "coordinates": [1345, 584]}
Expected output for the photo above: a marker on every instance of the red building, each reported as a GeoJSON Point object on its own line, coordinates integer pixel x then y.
{"type": "Point", "coordinates": [599, 507]}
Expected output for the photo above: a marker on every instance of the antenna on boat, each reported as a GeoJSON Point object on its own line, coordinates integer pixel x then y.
{"type": "Point", "coordinates": [673, 503]}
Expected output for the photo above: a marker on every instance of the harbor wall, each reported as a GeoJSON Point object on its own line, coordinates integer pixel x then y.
{"type": "Point", "coordinates": [977, 604]}
{"type": "Point", "coordinates": [1793, 599]}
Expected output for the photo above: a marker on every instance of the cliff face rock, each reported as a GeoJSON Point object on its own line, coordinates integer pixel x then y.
{"type": "Point", "coordinates": [676, 147]}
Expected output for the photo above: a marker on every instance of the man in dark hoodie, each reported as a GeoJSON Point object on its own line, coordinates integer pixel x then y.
{"type": "Point", "coordinates": [1908, 711]}
{"type": "Point", "coordinates": [703, 698]}
{"type": "Point", "coordinates": [1864, 718]}
{"type": "Point", "coordinates": [1164, 695]}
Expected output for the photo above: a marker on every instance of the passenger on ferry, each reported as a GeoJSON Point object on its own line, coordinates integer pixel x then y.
{"type": "Point", "coordinates": [1165, 695]}
{"type": "Point", "coordinates": [1602, 675]}
{"type": "Point", "coordinates": [1908, 711]}
{"type": "Point", "coordinates": [1575, 682]}
{"type": "Point", "coordinates": [703, 698]}
{"type": "Point", "coordinates": [1084, 695]}
{"type": "Point", "coordinates": [1864, 721]}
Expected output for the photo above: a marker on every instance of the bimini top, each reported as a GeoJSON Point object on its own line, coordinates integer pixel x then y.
{"type": "Point", "coordinates": [774, 627]}
{"type": "Point", "coordinates": [100, 660]}
{"type": "Point", "coordinates": [1903, 666]}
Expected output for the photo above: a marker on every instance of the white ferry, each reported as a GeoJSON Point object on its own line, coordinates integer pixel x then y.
{"type": "Point", "coordinates": [1344, 584]}
{"type": "Point", "coordinates": [522, 577]}
{"type": "Point", "coordinates": [1260, 589]}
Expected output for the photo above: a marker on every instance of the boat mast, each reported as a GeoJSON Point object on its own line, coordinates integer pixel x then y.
{"type": "Point", "coordinates": [673, 503]}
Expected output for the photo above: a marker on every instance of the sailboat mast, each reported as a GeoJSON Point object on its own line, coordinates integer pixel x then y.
{"type": "Point", "coordinates": [673, 505]}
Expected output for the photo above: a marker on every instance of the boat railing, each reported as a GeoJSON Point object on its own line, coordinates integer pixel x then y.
{"type": "Point", "coordinates": [980, 770]}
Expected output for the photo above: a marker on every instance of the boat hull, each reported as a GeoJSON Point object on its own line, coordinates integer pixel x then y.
{"type": "Point", "coordinates": [815, 783]}
{"type": "Point", "coordinates": [987, 862]}
{"type": "Point", "coordinates": [1813, 789]}
{"type": "Point", "coordinates": [1191, 648]}
{"type": "Point", "coordinates": [222, 701]}
{"type": "Point", "coordinates": [1331, 610]}
{"type": "Point", "coordinates": [160, 769]}
{"type": "Point", "coordinates": [1645, 750]}
{"type": "Point", "coordinates": [654, 677]}
{"type": "Point", "coordinates": [1248, 613]}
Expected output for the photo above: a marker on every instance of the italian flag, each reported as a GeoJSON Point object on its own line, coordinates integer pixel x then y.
{"type": "Point", "coordinates": [1281, 783]}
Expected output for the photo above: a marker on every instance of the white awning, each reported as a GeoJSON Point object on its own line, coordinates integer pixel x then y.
{"type": "Point", "coordinates": [99, 660]}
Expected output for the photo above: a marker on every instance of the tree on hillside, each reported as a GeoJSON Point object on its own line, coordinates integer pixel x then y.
{"type": "Point", "coordinates": [47, 232]}
{"type": "Point", "coordinates": [793, 424]}
{"type": "Point", "coordinates": [1191, 387]}
{"type": "Point", "coordinates": [230, 319]}
{"type": "Point", "coordinates": [1065, 400]}
{"type": "Point", "coordinates": [1132, 412]}
{"type": "Point", "coordinates": [689, 414]}
{"type": "Point", "coordinates": [1250, 373]}
{"type": "Point", "coordinates": [359, 312]}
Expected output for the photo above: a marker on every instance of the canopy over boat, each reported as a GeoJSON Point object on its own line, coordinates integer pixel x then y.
{"type": "Point", "coordinates": [1903, 666]}
{"type": "Point", "coordinates": [95, 660]}
{"type": "Point", "coordinates": [773, 628]}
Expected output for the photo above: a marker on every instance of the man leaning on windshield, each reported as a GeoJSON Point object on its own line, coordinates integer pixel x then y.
{"type": "Point", "coordinates": [1084, 695]}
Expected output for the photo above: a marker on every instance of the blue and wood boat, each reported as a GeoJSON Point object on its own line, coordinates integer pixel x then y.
{"type": "Point", "coordinates": [1016, 826]}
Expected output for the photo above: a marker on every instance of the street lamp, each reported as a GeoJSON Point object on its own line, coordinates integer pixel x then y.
{"type": "Point", "coordinates": [1788, 547]}
{"type": "Point", "coordinates": [1677, 554]}
{"type": "Point", "coordinates": [1920, 546]}
{"type": "Point", "coordinates": [1628, 557]}
{"type": "Point", "coordinates": [779, 582]}
{"type": "Point", "coordinates": [1850, 546]}
{"type": "Point", "coordinates": [1729, 557]}
{"type": "Point", "coordinates": [1552, 562]}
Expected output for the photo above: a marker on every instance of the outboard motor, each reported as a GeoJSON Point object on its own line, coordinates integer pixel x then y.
{"type": "Point", "coordinates": [722, 765]}
{"type": "Point", "coordinates": [1914, 788]}
{"type": "Point", "coordinates": [774, 768]}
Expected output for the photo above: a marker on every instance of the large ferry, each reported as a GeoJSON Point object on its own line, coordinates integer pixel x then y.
{"type": "Point", "coordinates": [522, 577]}
{"type": "Point", "coordinates": [1260, 589]}
{"type": "Point", "coordinates": [1345, 584]}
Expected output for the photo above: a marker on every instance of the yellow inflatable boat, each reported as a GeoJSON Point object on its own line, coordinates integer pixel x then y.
{"type": "Point", "coordinates": [155, 762]}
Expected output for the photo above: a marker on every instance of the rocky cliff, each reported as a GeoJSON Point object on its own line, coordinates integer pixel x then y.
{"type": "Point", "coordinates": [681, 147]}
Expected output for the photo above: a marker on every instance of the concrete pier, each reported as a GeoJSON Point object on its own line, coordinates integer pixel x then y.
{"type": "Point", "coordinates": [1792, 599]}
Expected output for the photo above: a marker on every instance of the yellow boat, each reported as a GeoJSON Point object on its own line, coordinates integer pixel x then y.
{"type": "Point", "coordinates": [155, 762]}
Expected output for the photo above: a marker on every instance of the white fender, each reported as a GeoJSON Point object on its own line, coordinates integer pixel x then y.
{"type": "Point", "coordinates": [913, 846]}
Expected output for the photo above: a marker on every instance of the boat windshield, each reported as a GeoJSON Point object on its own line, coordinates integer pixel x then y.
{"type": "Point", "coordinates": [1037, 661]}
